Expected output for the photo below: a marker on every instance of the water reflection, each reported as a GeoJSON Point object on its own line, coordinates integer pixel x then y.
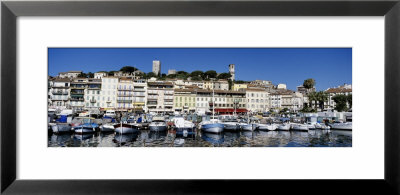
{"type": "Point", "coordinates": [146, 138]}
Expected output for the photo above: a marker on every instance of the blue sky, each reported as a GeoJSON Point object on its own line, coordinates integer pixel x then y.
{"type": "Point", "coordinates": [328, 66]}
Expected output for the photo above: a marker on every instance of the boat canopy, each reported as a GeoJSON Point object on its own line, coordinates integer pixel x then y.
{"type": "Point", "coordinates": [84, 117]}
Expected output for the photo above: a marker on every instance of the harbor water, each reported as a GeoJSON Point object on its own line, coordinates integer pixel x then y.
{"type": "Point", "coordinates": [146, 138]}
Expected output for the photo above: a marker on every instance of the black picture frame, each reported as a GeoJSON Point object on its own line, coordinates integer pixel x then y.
{"type": "Point", "coordinates": [11, 10]}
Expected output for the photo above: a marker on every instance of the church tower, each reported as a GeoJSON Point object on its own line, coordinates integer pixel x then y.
{"type": "Point", "coordinates": [232, 71]}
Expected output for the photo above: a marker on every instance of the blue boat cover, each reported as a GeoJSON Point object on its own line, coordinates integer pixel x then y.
{"type": "Point", "coordinates": [62, 119]}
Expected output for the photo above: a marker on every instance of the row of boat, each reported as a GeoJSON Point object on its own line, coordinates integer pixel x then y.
{"type": "Point", "coordinates": [84, 125]}
{"type": "Point", "coordinates": [229, 122]}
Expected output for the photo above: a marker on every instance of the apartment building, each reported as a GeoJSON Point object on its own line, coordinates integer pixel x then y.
{"type": "Point", "coordinates": [108, 100]}
{"type": "Point", "coordinates": [185, 100]}
{"type": "Point", "coordinates": [59, 93]}
{"type": "Point", "coordinates": [223, 101]}
{"type": "Point", "coordinates": [160, 96]}
{"type": "Point", "coordinates": [257, 100]}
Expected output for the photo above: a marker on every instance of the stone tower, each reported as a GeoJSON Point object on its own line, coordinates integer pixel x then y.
{"type": "Point", "coordinates": [157, 67]}
{"type": "Point", "coordinates": [232, 71]}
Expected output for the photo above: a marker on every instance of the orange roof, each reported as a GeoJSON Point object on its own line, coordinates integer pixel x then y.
{"type": "Point", "coordinates": [338, 90]}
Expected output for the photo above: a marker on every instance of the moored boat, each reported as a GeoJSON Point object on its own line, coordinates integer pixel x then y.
{"type": "Point", "coordinates": [108, 127]}
{"type": "Point", "coordinates": [86, 126]}
{"type": "Point", "coordinates": [230, 122]}
{"type": "Point", "coordinates": [212, 126]}
{"type": "Point", "coordinates": [284, 127]}
{"type": "Point", "coordinates": [180, 125]}
{"type": "Point", "coordinates": [158, 124]}
{"type": "Point", "coordinates": [299, 127]}
{"type": "Point", "coordinates": [60, 127]}
{"type": "Point", "coordinates": [342, 126]}
{"type": "Point", "coordinates": [267, 127]}
{"type": "Point", "coordinates": [125, 128]}
{"type": "Point", "coordinates": [249, 127]}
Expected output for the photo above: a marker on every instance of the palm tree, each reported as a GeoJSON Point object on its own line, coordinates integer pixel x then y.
{"type": "Point", "coordinates": [309, 83]}
{"type": "Point", "coordinates": [322, 97]}
{"type": "Point", "coordinates": [312, 97]}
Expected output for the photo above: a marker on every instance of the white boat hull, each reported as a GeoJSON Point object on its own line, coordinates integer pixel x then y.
{"type": "Point", "coordinates": [61, 128]}
{"type": "Point", "coordinates": [212, 127]}
{"type": "Point", "coordinates": [231, 126]}
{"type": "Point", "coordinates": [249, 127]}
{"type": "Point", "coordinates": [125, 130]}
{"type": "Point", "coordinates": [342, 126]}
{"type": "Point", "coordinates": [285, 127]}
{"type": "Point", "coordinates": [267, 127]}
{"type": "Point", "coordinates": [107, 128]}
{"type": "Point", "coordinates": [299, 127]}
{"type": "Point", "coordinates": [85, 130]}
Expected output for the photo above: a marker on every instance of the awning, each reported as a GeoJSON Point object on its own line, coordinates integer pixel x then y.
{"type": "Point", "coordinates": [229, 110]}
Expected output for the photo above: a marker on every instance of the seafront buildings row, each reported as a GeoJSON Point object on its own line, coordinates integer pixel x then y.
{"type": "Point", "coordinates": [125, 92]}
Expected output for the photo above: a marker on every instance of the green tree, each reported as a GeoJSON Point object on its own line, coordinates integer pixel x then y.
{"type": "Point", "coordinates": [350, 100]}
{"type": "Point", "coordinates": [90, 75]}
{"type": "Point", "coordinates": [197, 73]}
{"type": "Point", "coordinates": [240, 82]}
{"type": "Point", "coordinates": [210, 74]}
{"type": "Point", "coordinates": [128, 69]}
{"type": "Point", "coordinates": [182, 75]}
{"type": "Point", "coordinates": [82, 75]}
{"type": "Point", "coordinates": [309, 83]}
{"type": "Point", "coordinates": [196, 78]}
{"type": "Point", "coordinates": [313, 98]}
{"type": "Point", "coordinates": [341, 102]}
{"type": "Point", "coordinates": [171, 76]}
{"type": "Point", "coordinates": [111, 73]}
{"type": "Point", "coordinates": [322, 97]}
{"type": "Point", "coordinates": [151, 74]}
{"type": "Point", "coordinates": [224, 75]}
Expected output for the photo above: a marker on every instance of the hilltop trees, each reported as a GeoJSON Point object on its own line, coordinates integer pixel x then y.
{"type": "Point", "coordinates": [88, 75]}
{"type": "Point", "coordinates": [224, 75]}
{"type": "Point", "coordinates": [128, 69]}
{"type": "Point", "coordinates": [197, 73]}
{"type": "Point", "coordinates": [210, 74]}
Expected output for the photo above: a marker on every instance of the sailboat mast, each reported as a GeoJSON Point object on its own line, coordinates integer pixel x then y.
{"type": "Point", "coordinates": [213, 101]}
{"type": "Point", "coordinates": [133, 93]}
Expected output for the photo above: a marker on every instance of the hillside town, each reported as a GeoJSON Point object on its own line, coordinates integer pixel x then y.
{"type": "Point", "coordinates": [203, 108]}
{"type": "Point", "coordinates": [166, 93]}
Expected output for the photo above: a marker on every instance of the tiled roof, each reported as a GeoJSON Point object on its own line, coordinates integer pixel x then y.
{"type": "Point", "coordinates": [338, 90]}
{"type": "Point", "coordinates": [61, 80]}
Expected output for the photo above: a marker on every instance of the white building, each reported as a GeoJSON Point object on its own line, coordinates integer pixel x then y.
{"type": "Point", "coordinates": [275, 100]}
{"type": "Point", "coordinates": [108, 92]}
{"type": "Point", "coordinates": [77, 97]}
{"type": "Point", "coordinates": [100, 75]}
{"type": "Point", "coordinates": [59, 93]}
{"type": "Point", "coordinates": [69, 74]}
{"type": "Point", "coordinates": [125, 94]}
{"type": "Point", "coordinates": [217, 85]}
{"type": "Point", "coordinates": [332, 92]}
{"type": "Point", "coordinates": [257, 100]}
{"type": "Point", "coordinates": [160, 96]}
{"type": "Point", "coordinates": [92, 94]}
{"type": "Point", "coordinates": [140, 95]}
{"type": "Point", "coordinates": [171, 71]}
{"type": "Point", "coordinates": [157, 67]}
{"type": "Point", "coordinates": [297, 101]}
{"type": "Point", "coordinates": [225, 101]}
{"type": "Point", "coordinates": [281, 86]}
